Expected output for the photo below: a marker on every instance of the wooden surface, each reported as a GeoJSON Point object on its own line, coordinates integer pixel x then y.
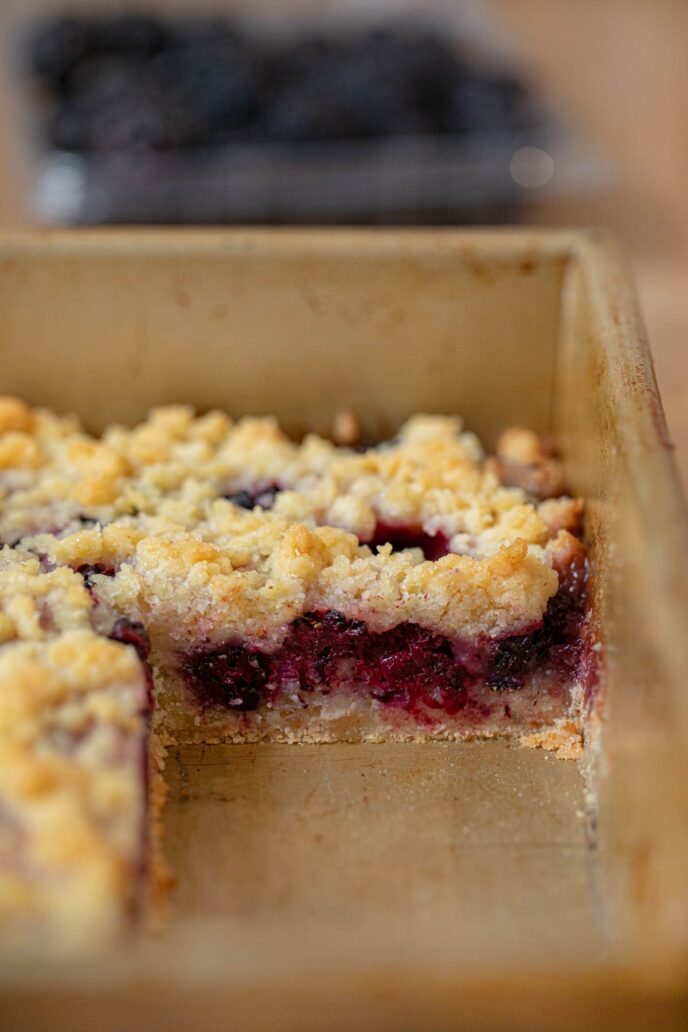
{"type": "Point", "coordinates": [620, 68]}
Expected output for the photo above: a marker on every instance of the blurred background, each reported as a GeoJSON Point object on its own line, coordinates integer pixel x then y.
{"type": "Point", "coordinates": [394, 112]}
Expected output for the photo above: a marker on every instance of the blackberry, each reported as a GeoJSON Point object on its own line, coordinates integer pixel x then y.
{"type": "Point", "coordinates": [138, 34]}
{"type": "Point", "coordinates": [56, 47]}
{"type": "Point", "coordinates": [88, 570]}
{"type": "Point", "coordinates": [229, 675]}
{"type": "Point", "coordinates": [208, 88]}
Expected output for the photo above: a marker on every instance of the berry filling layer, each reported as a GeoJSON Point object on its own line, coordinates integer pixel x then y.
{"type": "Point", "coordinates": [433, 546]}
{"type": "Point", "coordinates": [407, 667]}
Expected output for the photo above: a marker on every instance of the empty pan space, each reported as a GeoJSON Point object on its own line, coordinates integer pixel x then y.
{"type": "Point", "coordinates": [477, 836]}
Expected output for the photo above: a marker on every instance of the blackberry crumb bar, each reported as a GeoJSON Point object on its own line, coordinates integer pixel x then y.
{"type": "Point", "coordinates": [198, 580]}
{"type": "Point", "coordinates": [77, 801]}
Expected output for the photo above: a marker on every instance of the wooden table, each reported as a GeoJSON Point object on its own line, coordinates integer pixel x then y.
{"type": "Point", "coordinates": [620, 67]}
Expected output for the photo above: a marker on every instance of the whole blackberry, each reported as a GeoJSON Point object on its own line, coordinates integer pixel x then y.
{"type": "Point", "coordinates": [68, 127]}
{"type": "Point", "coordinates": [482, 103]}
{"type": "Point", "coordinates": [56, 47]}
{"type": "Point", "coordinates": [209, 87]}
{"type": "Point", "coordinates": [228, 675]}
{"type": "Point", "coordinates": [133, 34]}
{"type": "Point", "coordinates": [418, 67]}
{"type": "Point", "coordinates": [100, 79]}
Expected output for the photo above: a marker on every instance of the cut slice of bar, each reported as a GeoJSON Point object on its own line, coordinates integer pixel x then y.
{"type": "Point", "coordinates": [75, 842]}
{"type": "Point", "coordinates": [324, 640]}
{"type": "Point", "coordinates": [315, 592]}
{"type": "Point", "coordinates": [73, 786]}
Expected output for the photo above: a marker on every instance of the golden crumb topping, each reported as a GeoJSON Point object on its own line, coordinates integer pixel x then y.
{"type": "Point", "coordinates": [70, 682]}
{"type": "Point", "coordinates": [432, 477]}
{"type": "Point", "coordinates": [239, 574]}
{"type": "Point", "coordinates": [37, 604]}
{"type": "Point", "coordinates": [15, 415]}
{"type": "Point", "coordinates": [153, 506]}
{"type": "Point", "coordinates": [71, 795]}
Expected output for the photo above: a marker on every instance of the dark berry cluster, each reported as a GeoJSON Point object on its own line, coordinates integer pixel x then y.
{"type": "Point", "coordinates": [135, 82]}
{"type": "Point", "coordinates": [558, 642]}
{"type": "Point", "coordinates": [131, 632]}
{"type": "Point", "coordinates": [88, 570]}
{"type": "Point", "coordinates": [433, 546]}
{"type": "Point", "coordinates": [229, 675]}
{"type": "Point", "coordinates": [405, 666]}
{"type": "Point", "coordinates": [263, 497]}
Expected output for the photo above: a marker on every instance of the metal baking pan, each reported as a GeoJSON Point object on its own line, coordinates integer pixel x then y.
{"type": "Point", "coordinates": [434, 886]}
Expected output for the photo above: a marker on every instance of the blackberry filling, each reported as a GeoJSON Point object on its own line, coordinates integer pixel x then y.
{"type": "Point", "coordinates": [231, 676]}
{"type": "Point", "coordinates": [263, 497]}
{"type": "Point", "coordinates": [557, 644]}
{"type": "Point", "coordinates": [404, 665]}
{"type": "Point", "coordinates": [88, 570]}
{"type": "Point", "coordinates": [433, 546]}
{"type": "Point", "coordinates": [130, 632]}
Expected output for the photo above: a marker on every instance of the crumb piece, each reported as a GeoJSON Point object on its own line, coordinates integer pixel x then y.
{"type": "Point", "coordinates": [346, 429]}
{"type": "Point", "coordinates": [566, 740]}
{"type": "Point", "coordinates": [524, 460]}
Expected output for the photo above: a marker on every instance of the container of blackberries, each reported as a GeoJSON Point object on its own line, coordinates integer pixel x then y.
{"type": "Point", "coordinates": [144, 119]}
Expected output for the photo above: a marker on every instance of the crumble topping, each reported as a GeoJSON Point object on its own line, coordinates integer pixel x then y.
{"type": "Point", "coordinates": [72, 737]}
{"type": "Point", "coordinates": [525, 460]}
{"type": "Point", "coordinates": [153, 506]}
{"type": "Point", "coordinates": [35, 604]}
{"type": "Point", "coordinates": [249, 574]}
{"type": "Point", "coordinates": [66, 683]}
{"type": "Point", "coordinates": [432, 476]}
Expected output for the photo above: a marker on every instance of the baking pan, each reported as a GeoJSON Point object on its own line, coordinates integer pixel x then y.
{"type": "Point", "coordinates": [432, 886]}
